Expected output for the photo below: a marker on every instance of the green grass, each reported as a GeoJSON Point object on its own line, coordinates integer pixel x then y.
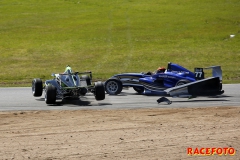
{"type": "Point", "coordinates": [108, 37]}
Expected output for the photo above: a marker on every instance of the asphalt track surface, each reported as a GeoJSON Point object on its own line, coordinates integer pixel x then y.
{"type": "Point", "coordinates": [20, 98]}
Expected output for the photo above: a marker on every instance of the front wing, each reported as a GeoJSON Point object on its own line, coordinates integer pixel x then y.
{"type": "Point", "coordinates": [206, 87]}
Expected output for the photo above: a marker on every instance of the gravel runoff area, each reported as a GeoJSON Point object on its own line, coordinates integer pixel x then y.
{"type": "Point", "coordinates": [157, 133]}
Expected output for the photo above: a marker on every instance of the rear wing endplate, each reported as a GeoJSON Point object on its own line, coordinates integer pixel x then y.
{"type": "Point", "coordinates": [216, 72]}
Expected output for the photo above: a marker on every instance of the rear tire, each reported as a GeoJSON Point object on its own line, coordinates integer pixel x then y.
{"type": "Point", "coordinates": [99, 91]}
{"type": "Point", "coordinates": [182, 82]}
{"type": "Point", "coordinates": [113, 86]}
{"type": "Point", "coordinates": [87, 78]}
{"type": "Point", "coordinates": [37, 87]}
{"type": "Point", "coordinates": [139, 90]}
{"type": "Point", "coordinates": [50, 95]}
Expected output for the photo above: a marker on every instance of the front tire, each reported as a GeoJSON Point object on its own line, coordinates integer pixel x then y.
{"type": "Point", "coordinates": [113, 86]}
{"type": "Point", "coordinates": [37, 87]}
{"type": "Point", "coordinates": [182, 82]}
{"type": "Point", "coordinates": [99, 91]}
{"type": "Point", "coordinates": [50, 94]}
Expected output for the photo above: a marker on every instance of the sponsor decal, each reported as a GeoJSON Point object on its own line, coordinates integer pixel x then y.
{"type": "Point", "coordinates": [166, 76]}
{"type": "Point", "coordinates": [176, 72]}
{"type": "Point", "coordinates": [198, 69]}
{"type": "Point", "coordinates": [211, 151]}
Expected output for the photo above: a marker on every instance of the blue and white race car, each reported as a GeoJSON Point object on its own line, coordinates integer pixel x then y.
{"type": "Point", "coordinates": [158, 81]}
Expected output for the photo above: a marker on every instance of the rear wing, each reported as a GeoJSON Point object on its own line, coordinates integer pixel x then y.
{"type": "Point", "coordinates": [87, 72]}
{"type": "Point", "coordinates": [216, 72]}
{"type": "Point", "coordinates": [74, 73]}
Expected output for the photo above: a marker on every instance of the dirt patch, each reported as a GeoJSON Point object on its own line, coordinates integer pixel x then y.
{"type": "Point", "coordinates": [119, 134]}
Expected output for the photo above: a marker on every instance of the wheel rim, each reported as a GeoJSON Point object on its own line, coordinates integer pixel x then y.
{"type": "Point", "coordinates": [45, 96]}
{"type": "Point", "coordinates": [112, 86]}
{"type": "Point", "coordinates": [33, 88]}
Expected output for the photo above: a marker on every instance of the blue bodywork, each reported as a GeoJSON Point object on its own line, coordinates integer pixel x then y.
{"type": "Point", "coordinates": [170, 77]}
{"type": "Point", "coordinates": [156, 82]}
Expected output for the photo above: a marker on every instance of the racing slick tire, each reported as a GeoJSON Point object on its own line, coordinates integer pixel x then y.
{"type": "Point", "coordinates": [50, 94]}
{"type": "Point", "coordinates": [87, 78]}
{"type": "Point", "coordinates": [139, 90]}
{"type": "Point", "coordinates": [99, 91]}
{"type": "Point", "coordinates": [37, 87]}
{"type": "Point", "coordinates": [113, 86]}
{"type": "Point", "coordinates": [182, 82]}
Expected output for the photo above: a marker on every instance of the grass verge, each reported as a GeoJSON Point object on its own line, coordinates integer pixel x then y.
{"type": "Point", "coordinates": [108, 37]}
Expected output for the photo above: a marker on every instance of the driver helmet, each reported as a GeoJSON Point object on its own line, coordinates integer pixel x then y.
{"type": "Point", "coordinates": [161, 70]}
{"type": "Point", "coordinates": [68, 68]}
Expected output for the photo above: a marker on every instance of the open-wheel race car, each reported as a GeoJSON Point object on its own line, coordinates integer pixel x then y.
{"type": "Point", "coordinates": [158, 81]}
{"type": "Point", "coordinates": [68, 85]}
